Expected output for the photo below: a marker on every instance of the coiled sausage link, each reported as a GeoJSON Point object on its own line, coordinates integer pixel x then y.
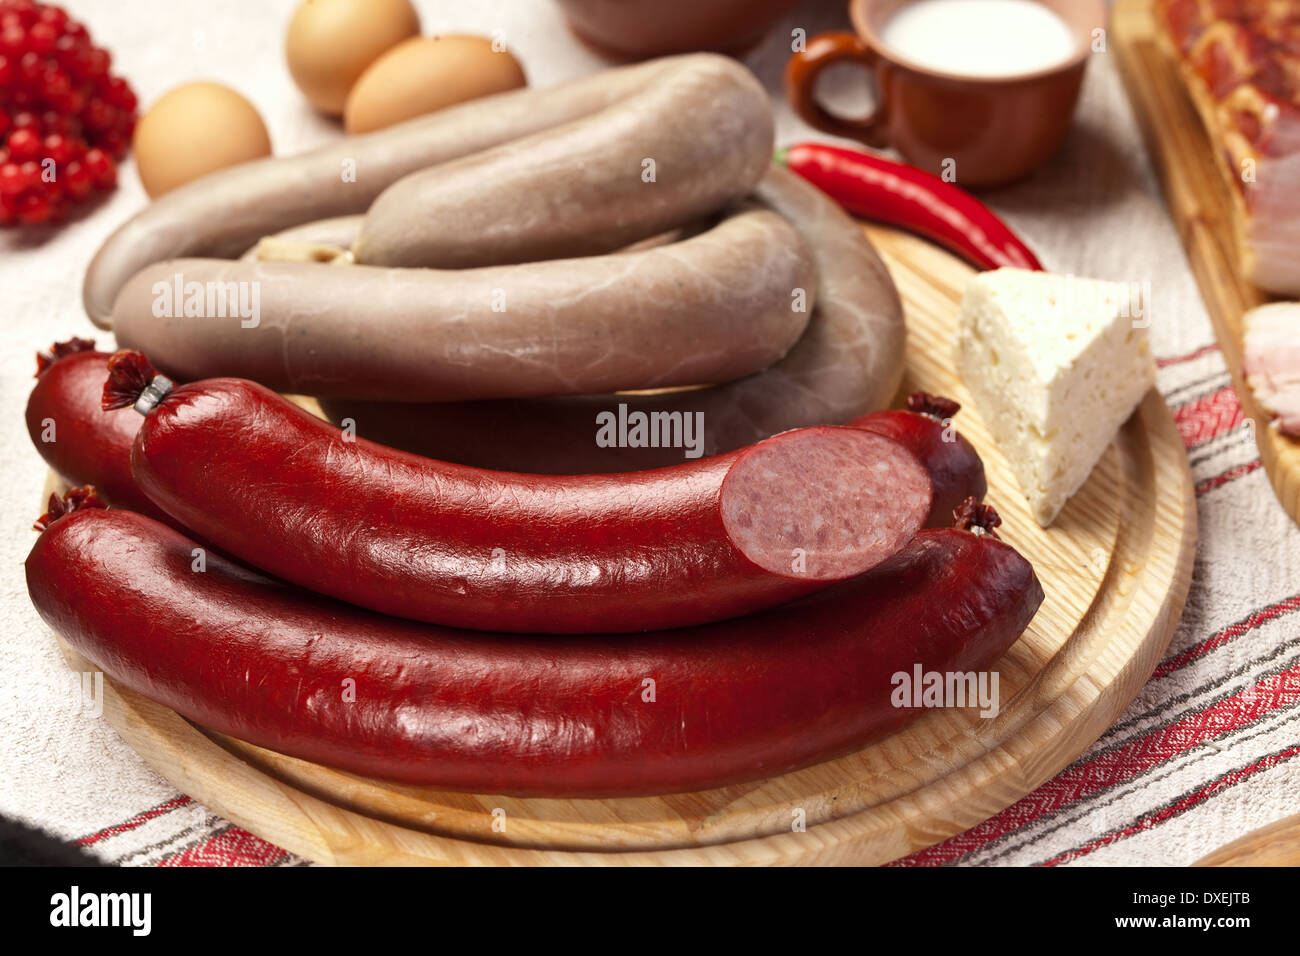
{"type": "Point", "coordinates": [223, 213]}
{"type": "Point", "coordinates": [712, 308]}
{"type": "Point", "coordinates": [848, 362]}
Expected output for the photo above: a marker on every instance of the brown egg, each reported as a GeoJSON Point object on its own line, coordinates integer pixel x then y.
{"type": "Point", "coordinates": [331, 42]}
{"type": "Point", "coordinates": [192, 131]}
{"type": "Point", "coordinates": [424, 74]}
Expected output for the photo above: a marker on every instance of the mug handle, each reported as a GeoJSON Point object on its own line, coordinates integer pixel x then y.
{"type": "Point", "coordinates": [801, 75]}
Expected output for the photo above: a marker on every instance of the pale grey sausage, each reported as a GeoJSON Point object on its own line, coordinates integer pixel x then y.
{"type": "Point", "coordinates": [711, 308]}
{"type": "Point", "coordinates": [689, 143]}
{"type": "Point", "coordinates": [848, 362]}
{"type": "Point", "coordinates": [222, 214]}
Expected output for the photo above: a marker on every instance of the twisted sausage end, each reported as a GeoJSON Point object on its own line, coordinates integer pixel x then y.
{"type": "Point", "coordinates": [129, 374]}
{"type": "Point", "coordinates": [976, 518]}
{"type": "Point", "coordinates": [934, 406]}
{"type": "Point", "coordinates": [76, 499]}
{"type": "Point", "coordinates": [60, 350]}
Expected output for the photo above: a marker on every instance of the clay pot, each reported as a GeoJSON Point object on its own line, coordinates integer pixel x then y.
{"type": "Point", "coordinates": [640, 29]}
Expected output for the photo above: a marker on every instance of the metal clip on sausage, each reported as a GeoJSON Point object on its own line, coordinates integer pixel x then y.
{"type": "Point", "coordinates": [134, 382]}
{"type": "Point", "coordinates": [154, 393]}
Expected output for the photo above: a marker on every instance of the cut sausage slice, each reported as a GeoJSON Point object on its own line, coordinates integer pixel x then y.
{"type": "Point", "coordinates": [815, 498]}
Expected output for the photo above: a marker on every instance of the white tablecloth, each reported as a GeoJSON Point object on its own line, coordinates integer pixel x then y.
{"type": "Point", "coordinates": [1204, 755]}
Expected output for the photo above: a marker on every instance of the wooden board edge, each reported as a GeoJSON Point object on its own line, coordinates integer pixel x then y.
{"type": "Point", "coordinates": [1277, 844]}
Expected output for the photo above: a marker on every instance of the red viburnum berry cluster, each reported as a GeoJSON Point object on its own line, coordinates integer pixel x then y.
{"type": "Point", "coordinates": [64, 120]}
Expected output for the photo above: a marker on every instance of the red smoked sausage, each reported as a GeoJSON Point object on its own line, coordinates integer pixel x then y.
{"type": "Point", "coordinates": [490, 713]}
{"type": "Point", "coordinates": [955, 468]}
{"type": "Point", "coordinates": [270, 484]}
{"type": "Point", "coordinates": [82, 443]}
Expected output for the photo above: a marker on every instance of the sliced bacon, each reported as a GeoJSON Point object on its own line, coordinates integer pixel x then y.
{"type": "Point", "coordinates": [1242, 59]}
{"type": "Point", "coordinates": [1271, 362]}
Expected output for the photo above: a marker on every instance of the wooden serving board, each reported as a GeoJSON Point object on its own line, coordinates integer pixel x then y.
{"type": "Point", "coordinates": [1202, 206]}
{"type": "Point", "coordinates": [1115, 569]}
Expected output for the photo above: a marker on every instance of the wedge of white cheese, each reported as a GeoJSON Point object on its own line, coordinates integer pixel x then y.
{"type": "Point", "coordinates": [1055, 365]}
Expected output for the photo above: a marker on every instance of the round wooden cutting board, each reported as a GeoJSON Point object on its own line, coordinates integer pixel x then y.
{"type": "Point", "coordinates": [1115, 568]}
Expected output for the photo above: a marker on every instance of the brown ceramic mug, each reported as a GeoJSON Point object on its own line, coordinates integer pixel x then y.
{"type": "Point", "coordinates": [995, 130]}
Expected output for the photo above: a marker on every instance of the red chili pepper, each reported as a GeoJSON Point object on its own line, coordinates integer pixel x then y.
{"type": "Point", "coordinates": [900, 195]}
